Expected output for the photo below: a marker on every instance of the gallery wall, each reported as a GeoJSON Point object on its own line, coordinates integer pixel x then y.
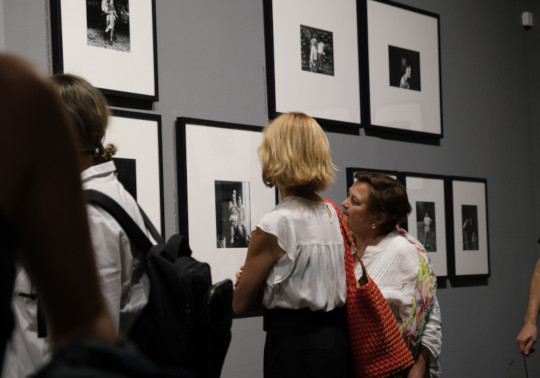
{"type": "Point", "coordinates": [211, 65]}
{"type": "Point", "coordinates": [2, 38]}
{"type": "Point", "coordinates": [534, 97]}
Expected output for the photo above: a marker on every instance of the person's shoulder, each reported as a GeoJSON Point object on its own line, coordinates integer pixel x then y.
{"type": "Point", "coordinates": [279, 214]}
{"type": "Point", "coordinates": [406, 244]}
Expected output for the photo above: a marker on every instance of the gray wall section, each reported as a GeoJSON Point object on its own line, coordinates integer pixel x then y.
{"type": "Point", "coordinates": [211, 66]}
{"type": "Point", "coordinates": [2, 31]}
{"type": "Point", "coordinates": [534, 98]}
{"type": "Point", "coordinates": [26, 25]}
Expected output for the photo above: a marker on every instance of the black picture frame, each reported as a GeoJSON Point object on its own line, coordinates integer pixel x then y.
{"type": "Point", "coordinates": [216, 162]}
{"type": "Point", "coordinates": [137, 137]}
{"type": "Point", "coordinates": [467, 210]}
{"type": "Point", "coordinates": [412, 108]}
{"type": "Point", "coordinates": [296, 30]}
{"type": "Point", "coordinates": [428, 221]}
{"type": "Point", "coordinates": [125, 67]}
{"type": "Point", "coordinates": [349, 172]}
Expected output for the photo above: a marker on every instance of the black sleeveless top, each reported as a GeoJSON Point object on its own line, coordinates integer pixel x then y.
{"type": "Point", "coordinates": [7, 276]}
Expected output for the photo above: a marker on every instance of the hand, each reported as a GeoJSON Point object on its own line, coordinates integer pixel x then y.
{"type": "Point", "coordinates": [527, 338]}
{"type": "Point", "coordinates": [238, 276]}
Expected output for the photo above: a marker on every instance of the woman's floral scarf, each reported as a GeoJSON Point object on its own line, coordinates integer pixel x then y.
{"type": "Point", "coordinates": [426, 285]}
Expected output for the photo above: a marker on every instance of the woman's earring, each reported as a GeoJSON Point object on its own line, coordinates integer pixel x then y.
{"type": "Point", "coordinates": [373, 226]}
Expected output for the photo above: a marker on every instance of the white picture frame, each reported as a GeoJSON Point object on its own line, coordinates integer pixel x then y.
{"type": "Point", "coordinates": [427, 220]}
{"type": "Point", "coordinates": [137, 137]}
{"type": "Point", "coordinates": [125, 67]}
{"type": "Point", "coordinates": [212, 158]}
{"type": "Point", "coordinates": [471, 242]}
{"type": "Point", "coordinates": [399, 35]}
{"type": "Point", "coordinates": [330, 94]}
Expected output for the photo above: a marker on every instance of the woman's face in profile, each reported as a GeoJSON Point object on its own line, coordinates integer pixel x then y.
{"type": "Point", "coordinates": [356, 210]}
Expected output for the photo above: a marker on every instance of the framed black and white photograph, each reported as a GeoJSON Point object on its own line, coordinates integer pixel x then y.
{"type": "Point", "coordinates": [427, 220]}
{"type": "Point", "coordinates": [221, 195]}
{"type": "Point", "coordinates": [233, 227]}
{"type": "Point", "coordinates": [470, 225]}
{"type": "Point", "coordinates": [110, 43]}
{"type": "Point", "coordinates": [404, 69]}
{"type": "Point", "coordinates": [137, 137]}
{"type": "Point", "coordinates": [313, 61]}
{"type": "Point", "coordinates": [350, 174]}
{"type": "Point", "coordinates": [317, 50]}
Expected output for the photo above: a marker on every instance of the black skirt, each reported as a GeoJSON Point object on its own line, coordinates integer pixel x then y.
{"type": "Point", "coordinates": [305, 343]}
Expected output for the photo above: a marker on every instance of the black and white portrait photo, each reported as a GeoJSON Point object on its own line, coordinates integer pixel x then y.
{"type": "Point", "coordinates": [108, 24]}
{"type": "Point", "coordinates": [425, 225]}
{"type": "Point", "coordinates": [233, 214]}
{"type": "Point", "coordinates": [404, 66]}
{"type": "Point", "coordinates": [317, 48]}
{"type": "Point", "coordinates": [469, 221]}
{"type": "Point", "coordinates": [126, 171]}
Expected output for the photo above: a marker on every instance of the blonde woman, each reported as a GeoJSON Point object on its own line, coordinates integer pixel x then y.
{"type": "Point", "coordinates": [295, 266]}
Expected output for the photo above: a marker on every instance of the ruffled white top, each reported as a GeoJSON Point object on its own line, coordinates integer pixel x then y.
{"type": "Point", "coordinates": [393, 265]}
{"type": "Point", "coordinates": [311, 274]}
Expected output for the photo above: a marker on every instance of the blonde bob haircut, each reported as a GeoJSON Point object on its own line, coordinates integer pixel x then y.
{"type": "Point", "coordinates": [295, 153]}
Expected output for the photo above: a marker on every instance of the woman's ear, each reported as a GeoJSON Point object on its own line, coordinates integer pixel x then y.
{"type": "Point", "coordinates": [379, 219]}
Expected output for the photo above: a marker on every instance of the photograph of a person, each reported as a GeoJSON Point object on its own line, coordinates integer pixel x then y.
{"type": "Point", "coordinates": [233, 214]}
{"type": "Point", "coordinates": [404, 66]}
{"type": "Point", "coordinates": [108, 24]}
{"type": "Point", "coordinates": [469, 220]}
{"type": "Point", "coordinates": [425, 225]}
{"type": "Point", "coordinates": [317, 50]}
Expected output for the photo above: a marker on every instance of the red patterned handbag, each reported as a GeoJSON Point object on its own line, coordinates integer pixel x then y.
{"type": "Point", "coordinates": [378, 348]}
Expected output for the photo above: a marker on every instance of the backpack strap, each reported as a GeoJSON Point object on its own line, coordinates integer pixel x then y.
{"type": "Point", "coordinates": [131, 228]}
{"type": "Point", "coordinates": [150, 227]}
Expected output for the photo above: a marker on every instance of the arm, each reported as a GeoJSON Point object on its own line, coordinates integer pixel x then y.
{"type": "Point", "coordinates": [421, 364]}
{"type": "Point", "coordinates": [42, 198]}
{"type": "Point", "coordinates": [423, 287]}
{"type": "Point", "coordinates": [263, 252]}
{"type": "Point", "coordinates": [431, 343]}
{"type": "Point", "coordinates": [111, 249]}
{"type": "Point", "coordinates": [528, 335]}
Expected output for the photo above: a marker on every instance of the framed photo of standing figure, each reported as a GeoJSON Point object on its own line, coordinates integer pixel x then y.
{"type": "Point", "coordinates": [427, 220]}
{"type": "Point", "coordinates": [221, 194]}
{"type": "Point", "coordinates": [312, 60]}
{"type": "Point", "coordinates": [470, 226]}
{"type": "Point", "coordinates": [111, 43]}
{"type": "Point", "coordinates": [404, 69]}
{"type": "Point", "coordinates": [137, 137]}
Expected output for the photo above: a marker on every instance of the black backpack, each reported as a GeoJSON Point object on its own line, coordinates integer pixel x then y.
{"type": "Point", "coordinates": [187, 320]}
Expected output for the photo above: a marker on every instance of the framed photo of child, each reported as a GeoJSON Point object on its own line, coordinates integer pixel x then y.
{"type": "Point", "coordinates": [111, 43]}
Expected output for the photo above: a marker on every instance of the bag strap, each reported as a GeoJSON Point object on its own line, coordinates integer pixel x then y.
{"type": "Point", "coordinates": [350, 246]}
{"type": "Point", "coordinates": [127, 223]}
{"type": "Point", "coordinates": [150, 227]}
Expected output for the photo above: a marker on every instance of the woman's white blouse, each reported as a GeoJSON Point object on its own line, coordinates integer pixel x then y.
{"type": "Point", "coordinates": [312, 272]}
{"type": "Point", "coordinates": [393, 265]}
{"type": "Point", "coordinates": [125, 284]}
